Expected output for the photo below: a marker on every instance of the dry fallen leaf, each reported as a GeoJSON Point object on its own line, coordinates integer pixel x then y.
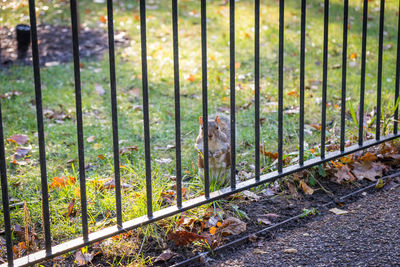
{"type": "Point", "coordinates": [62, 181]}
{"type": "Point", "coordinates": [306, 189]}
{"type": "Point", "coordinates": [232, 226]}
{"type": "Point", "coordinates": [264, 220]}
{"type": "Point", "coordinates": [19, 139]}
{"type": "Point", "coordinates": [346, 159]}
{"type": "Point", "coordinates": [293, 93]}
{"type": "Point", "coordinates": [251, 196]}
{"type": "Point", "coordinates": [338, 211]}
{"type": "Point", "coordinates": [271, 155]}
{"type": "Point", "coordinates": [126, 150]}
{"type": "Point", "coordinates": [20, 249]}
{"type": "Point", "coordinates": [184, 238]}
{"type": "Point", "coordinates": [368, 157]}
{"type": "Point", "coordinates": [71, 207]}
{"type": "Point", "coordinates": [165, 256]}
{"type": "Point", "coordinates": [213, 230]}
{"type": "Point", "coordinates": [168, 197]}
{"type": "Point", "coordinates": [368, 170]}
{"type": "Point", "coordinates": [191, 78]}
{"type": "Point", "coordinates": [353, 55]}
{"type": "Point", "coordinates": [343, 174]}
{"type": "Point", "coordinates": [103, 19]}
{"type": "Point", "coordinates": [21, 152]}
{"type": "Point", "coordinates": [316, 126]}
{"type": "Point", "coordinates": [290, 250]}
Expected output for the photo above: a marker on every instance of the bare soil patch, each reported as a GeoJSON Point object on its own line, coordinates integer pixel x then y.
{"type": "Point", "coordinates": [55, 45]}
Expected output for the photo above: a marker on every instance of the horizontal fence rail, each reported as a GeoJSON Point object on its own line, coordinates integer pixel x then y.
{"type": "Point", "coordinates": [88, 238]}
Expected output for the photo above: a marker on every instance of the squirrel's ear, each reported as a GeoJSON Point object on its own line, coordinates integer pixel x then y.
{"type": "Point", "coordinates": [217, 119]}
{"type": "Point", "coordinates": [201, 120]}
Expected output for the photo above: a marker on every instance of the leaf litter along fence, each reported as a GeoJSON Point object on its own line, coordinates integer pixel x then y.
{"type": "Point", "coordinates": [52, 251]}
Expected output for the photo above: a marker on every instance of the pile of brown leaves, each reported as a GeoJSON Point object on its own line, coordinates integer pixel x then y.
{"type": "Point", "coordinates": [370, 165]}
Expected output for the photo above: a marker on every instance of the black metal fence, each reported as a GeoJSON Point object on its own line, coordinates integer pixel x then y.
{"type": "Point", "coordinates": [52, 251]}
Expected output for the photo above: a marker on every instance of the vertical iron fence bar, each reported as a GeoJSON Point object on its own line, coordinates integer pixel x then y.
{"type": "Point", "coordinates": [344, 75]}
{"type": "Point", "coordinates": [40, 126]}
{"type": "Point", "coordinates": [232, 93]}
{"type": "Point", "coordinates": [114, 111]}
{"type": "Point", "coordinates": [145, 89]}
{"type": "Point", "coordinates": [324, 77]}
{"type": "Point", "coordinates": [302, 67]}
{"type": "Point", "coordinates": [280, 85]}
{"type": "Point", "coordinates": [396, 94]}
{"type": "Point", "coordinates": [78, 100]}
{"type": "Point", "coordinates": [177, 105]}
{"type": "Point", "coordinates": [257, 86]}
{"type": "Point", "coordinates": [362, 88]}
{"type": "Point", "coordinates": [4, 195]}
{"type": "Point", "coordinates": [379, 85]}
{"type": "Point", "coordinates": [204, 92]}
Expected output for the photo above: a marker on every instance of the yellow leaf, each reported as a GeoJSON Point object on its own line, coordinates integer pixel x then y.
{"type": "Point", "coordinates": [237, 65]}
{"type": "Point", "coordinates": [316, 126]}
{"type": "Point", "coordinates": [97, 146]}
{"type": "Point", "coordinates": [219, 224]}
{"type": "Point", "coordinates": [379, 184]}
{"type": "Point", "coordinates": [346, 159]}
{"type": "Point", "coordinates": [213, 230]}
{"type": "Point", "coordinates": [191, 78]}
{"type": "Point", "coordinates": [336, 106]}
{"type": "Point", "coordinates": [353, 55]}
{"type": "Point", "coordinates": [308, 190]}
{"type": "Point", "coordinates": [368, 157]}
{"type": "Point", "coordinates": [293, 93]}
{"type": "Point", "coordinates": [337, 165]}
{"type": "Point", "coordinates": [103, 19]}
{"type": "Point", "coordinates": [312, 150]}
{"type": "Point", "coordinates": [63, 181]}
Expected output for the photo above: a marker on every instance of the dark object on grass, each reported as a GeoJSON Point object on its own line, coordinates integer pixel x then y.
{"type": "Point", "coordinates": [23, 39]}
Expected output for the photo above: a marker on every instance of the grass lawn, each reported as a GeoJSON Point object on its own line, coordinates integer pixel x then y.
{"type": "Point", "coordinates": [58, 96]}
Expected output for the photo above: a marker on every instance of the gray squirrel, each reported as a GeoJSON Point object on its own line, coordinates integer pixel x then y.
{"type": "Point", "coordinates": [219, 149]}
